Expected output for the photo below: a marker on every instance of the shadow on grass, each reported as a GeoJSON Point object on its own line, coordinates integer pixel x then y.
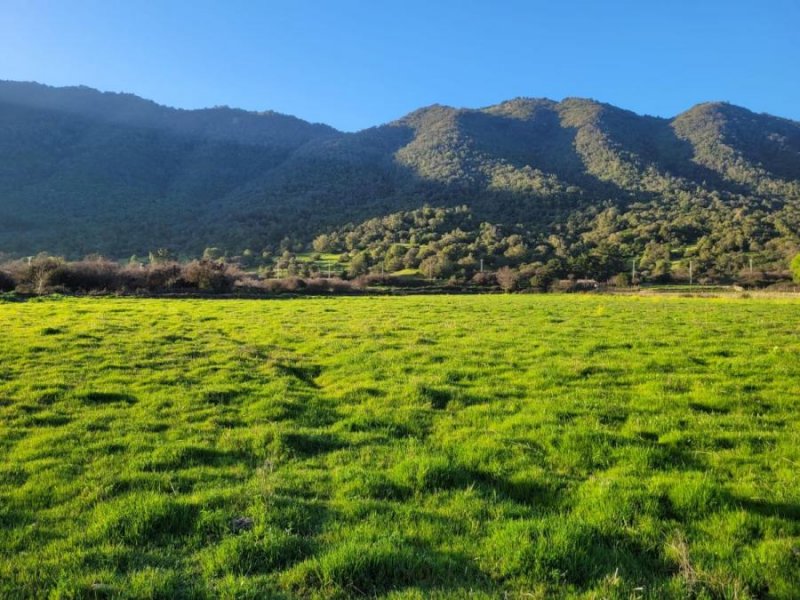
{"type": "Point", "coordinates": [107, 398]}
{"type": "Point", "coordinates": [391, 427]}
{"type": "Point", "coordinates": [444, 475]}
{"type": "Point", "coordinates": [184, 456]}
{"type": "Point", "coordinates": [221, 395]}
{"type": "Point", "coordinates": [709, 409]}
{"type": "Point", "coordinates": [306, 374]}
{"type": "Point", "coordinates": [143, 518]}
{"type": "Point", "coordinates": [766, 508]}
{"type": "Point", "coordinates": [305, 412]}
{"type": "Point", "coordinates": [306, 445]}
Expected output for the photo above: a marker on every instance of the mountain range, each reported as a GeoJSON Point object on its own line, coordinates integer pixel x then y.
{"type": "Point", "coordinates": [82, 171]}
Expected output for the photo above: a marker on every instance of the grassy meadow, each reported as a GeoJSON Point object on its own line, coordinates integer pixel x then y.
{"type": "Point", "coordinates": [519, 446]}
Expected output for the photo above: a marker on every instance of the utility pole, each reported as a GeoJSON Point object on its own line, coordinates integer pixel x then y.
{"type": "Point", "coordinates": [633, 271]}
{"type": "Point", "coordinates": [481, 265]}
{"type": "Point", "coordinates": [690, 272]}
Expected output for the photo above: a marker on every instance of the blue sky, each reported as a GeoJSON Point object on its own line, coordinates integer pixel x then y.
{"type": "Point", "coordinates": [353, 64]}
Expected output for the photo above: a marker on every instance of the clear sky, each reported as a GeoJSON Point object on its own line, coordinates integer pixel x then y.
{"type": "Point", "coordinates": [353, 64]}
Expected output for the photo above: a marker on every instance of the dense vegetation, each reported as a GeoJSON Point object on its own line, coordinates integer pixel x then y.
{"type": "Point", "coordinates": [452, 243]}
{"type": "Point", "coordinates": [539, 446]}
{"type": "Point", "coordinates": [583, 186]}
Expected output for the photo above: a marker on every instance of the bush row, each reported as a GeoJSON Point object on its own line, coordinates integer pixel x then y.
{"type": "Point", "coordinates": [44, 275]}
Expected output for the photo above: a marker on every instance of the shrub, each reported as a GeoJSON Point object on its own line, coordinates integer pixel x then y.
{"type": "Point", "coordinates": [7, 282]}
{"type": "Point", "coordinates": [133, 277]}
{"type": "Point", "coordinates": [563, 285]}
{"type": "Point", "coordinates": [484, 279]}
{"type": "Point", "coordinates": [336, 285]}
{"type": "Point", "coordinates": [293, 284]}
{"type": "Point", "coordinates": [280, 286]}
{"type": "Point", "coordinates": [271, 286]}
{"type": "Point", "coordinates": [318, 285]}
{"type": "Point", "coordinates": [33, 275]}
{"type": "Point", "coordinates": [250, 284]}
{"type": "Point", "coordinates": [208, 275]}
{"type": "Point", "coordinates": [161, 276]}
{"type": "Point", "coordinates": [86, 276]}
{"type": "Point", "coordinates": [508, 279]}
{"type": "Point", "coordinates": [621, 280]}
{"type": "Point", "coordinates": [375, 280]}
{"type": "Point", "coordinates": [537, 276]}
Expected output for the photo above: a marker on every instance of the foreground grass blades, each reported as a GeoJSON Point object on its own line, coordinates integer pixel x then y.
{"type": "Point", "coordinates": [406, 447]}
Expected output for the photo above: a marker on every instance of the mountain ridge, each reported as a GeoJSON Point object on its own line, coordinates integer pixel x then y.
{"type": "Point", "coordinates": [118, 174]}
{"type": "Point", "coordinates": [130, 109]}
{"type": "Point", "coordinates": [10, 89]}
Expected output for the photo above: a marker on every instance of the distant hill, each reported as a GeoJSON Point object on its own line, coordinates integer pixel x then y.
{"type": "Point", "coordinates": [83, 171]}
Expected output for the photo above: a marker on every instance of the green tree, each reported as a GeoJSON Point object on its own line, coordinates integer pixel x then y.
{"type": "Point", "coordinates": [161, 256]}
{"type": "Point", "coordinates": [436, 267]}
{"type": "Point", "coordinates": [322, 243]}
{"type": "Point", "coordinates": [213, 254]}
{"type": "Point", "coordinates": [359, 265]}
{"type": "Point", "coordinates": [796, 268]}
{"type": "Point", "coordinates": [661, 271]}
{"type": "Point", "coordinates": [248, 258]}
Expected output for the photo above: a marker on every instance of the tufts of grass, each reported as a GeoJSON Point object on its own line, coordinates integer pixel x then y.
{"type": "Point", "coordinates": [254, 553]}
{"type": "Point", "coordinates": [369, 568]}
{"type": "Point", "coordinates": [400, 447]}
{"type": "Point", "coordinates": [143, 518]}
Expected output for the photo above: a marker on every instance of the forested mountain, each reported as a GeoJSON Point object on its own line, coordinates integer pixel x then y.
{"type": "Point", "coordinates": [582, 183]}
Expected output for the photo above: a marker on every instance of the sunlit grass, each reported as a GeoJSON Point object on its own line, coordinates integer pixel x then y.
{"type": "Point", "coordinates": [407, 447]}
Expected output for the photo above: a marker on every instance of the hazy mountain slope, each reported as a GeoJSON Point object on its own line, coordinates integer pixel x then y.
{"type": "Point", "coordinates": [82, 171]}
{"type": "Point", "coordinates": [220, 123]}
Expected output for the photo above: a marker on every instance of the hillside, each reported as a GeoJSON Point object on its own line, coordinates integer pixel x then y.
{"type": "Point", "coordinates": [83, 171]}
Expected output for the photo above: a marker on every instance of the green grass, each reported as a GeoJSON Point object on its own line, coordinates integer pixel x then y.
{"type": "Point", "coordinates": [400, 447]}
{"type": "Point", "coordinates": [324, 257]}
{"type": "Point", "coordinates": [407, 273]}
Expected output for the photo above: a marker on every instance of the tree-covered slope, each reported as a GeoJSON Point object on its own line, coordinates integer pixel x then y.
{"type": "Point", "coordinates": [83, 171]}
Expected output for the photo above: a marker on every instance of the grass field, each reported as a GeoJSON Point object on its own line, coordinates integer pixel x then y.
{"type": "Point", "coordinates": [401, 447]}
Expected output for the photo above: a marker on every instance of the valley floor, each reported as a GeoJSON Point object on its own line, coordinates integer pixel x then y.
{"type": "Point", "coordinates": [400, 447]}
